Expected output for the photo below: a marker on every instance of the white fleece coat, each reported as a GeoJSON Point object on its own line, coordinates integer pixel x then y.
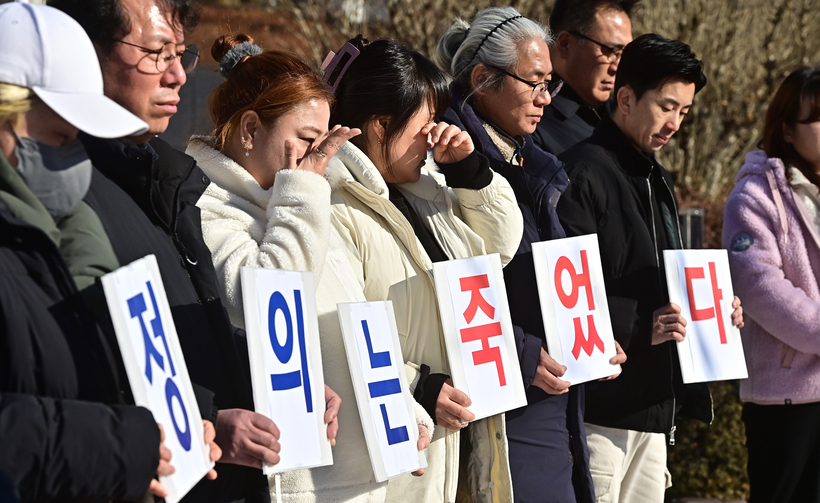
{"type": "Point", "coordinates": [288, 227]}
{"type": "Point", "coordinates": [391, 264]}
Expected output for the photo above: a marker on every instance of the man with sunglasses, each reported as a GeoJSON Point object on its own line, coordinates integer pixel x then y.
{"type": "Point", "coordinates": [590, 36]}
{"type": "Point", "coordinates": [145, 194]}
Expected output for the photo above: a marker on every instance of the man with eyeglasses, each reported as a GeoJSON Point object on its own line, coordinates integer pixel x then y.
{"type": "Point", "coordinates": [621, 192]}
{"type": "Point", "coordinates": [590, 36]}
{"type": "Point", "coordinates": [145, 194]}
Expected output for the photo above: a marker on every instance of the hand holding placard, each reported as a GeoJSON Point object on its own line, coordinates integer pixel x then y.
{"type": "Point", "coordinates": [247, 438]}
{"type": "Point", "coordinates": [574, 308]}
{"type": "Point", "coordinates": [451, 408]}
{"type": "Point", "coordinates": [478, 334]}
{"type": "Point", "coordinates": [548, 375]}
{"type": "Point", "coordinates": [380, 384]}
{"type": "Point", "coordinates": [668, 324]}
{"type": "Point", "coordinates": [700, 284]}
{"type": "Point", "coordinates": [286, 364]}
{"type": "Point", "coordinates": [156, 370]}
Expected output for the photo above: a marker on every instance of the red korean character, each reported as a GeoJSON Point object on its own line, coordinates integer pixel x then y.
{"type": "Point", "coordinates": [487, 354]}
{"type": "Point", "coordinates": [582, 279]}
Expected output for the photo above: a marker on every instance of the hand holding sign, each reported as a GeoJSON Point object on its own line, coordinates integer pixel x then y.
{"type": "Point", "coordinates": [164, 469]}
{"type": "Point", "coordinates": [619, 359]}
{"type": "Point", "coordinates": [423, 443]}
{"type": "Point", "coordinates": [668, 324]}
{"type": "Point", "coordinates": [737, 314]}
{"type": "Point", "coordinates": [156, 370]}
{"type": "Point", "coordinates": [475, 318]}
{"type": "Point", "coordinates": [247, 438]}
{"type": "Point", "coordinates": [700, 285]}
{"type": "Point", "coordinates": [451, 408]}
{"type": "Point", "coordinates": [286, 367]}
{"type": "Point", "coordinates": [332, 404]}
{"type": "Point", "coordinates": [380, 385]}
{"type": "Point", "coordinates": [216, 451]}
{"type": "Point", "coordinates": [548, 375]}
{"type": "Point", "coordinates": [575, 311]}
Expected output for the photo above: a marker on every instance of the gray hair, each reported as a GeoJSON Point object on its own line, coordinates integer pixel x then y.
{"type": "Point", "coordinates": [492, 40]}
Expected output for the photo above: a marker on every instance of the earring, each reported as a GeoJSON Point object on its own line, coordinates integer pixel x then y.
{"type": "Point", "coordinates": [246, 144]}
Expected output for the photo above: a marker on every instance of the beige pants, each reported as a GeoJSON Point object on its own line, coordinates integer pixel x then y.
{"type": "Point", "coordinates": [627, 466]}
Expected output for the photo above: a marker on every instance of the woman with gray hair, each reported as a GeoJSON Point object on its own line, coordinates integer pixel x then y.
{"type": "Point", "coordinates": [502, 80]}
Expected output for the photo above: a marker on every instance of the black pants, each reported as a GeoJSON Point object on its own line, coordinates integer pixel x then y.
{"type": "Point", "coordinates": [539, 443]}
{"type": "Point", "coordinates": [784, 452]}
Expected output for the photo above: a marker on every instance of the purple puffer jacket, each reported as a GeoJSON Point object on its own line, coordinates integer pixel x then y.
{"type": "Point", "coordinates": [774, 254]}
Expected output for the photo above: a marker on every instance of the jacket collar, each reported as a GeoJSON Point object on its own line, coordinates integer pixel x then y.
{"type": "Point", "coordinates": [350, 164]}
{"type": "Point", "coordinates": [536, 161]}
{"type": "Point", "coordinates": [152, 176]}
{"type": "Point", "coordinates": [22, 203]}
{"type": "Point", "coordinates": [634, 162]}
{"type": "Point", "coordinates": [568, 103]}
{"type": "Point", "coordinates": [226, 173]}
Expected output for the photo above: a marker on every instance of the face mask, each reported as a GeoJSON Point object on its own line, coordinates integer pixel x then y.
{"type": "Point", "coordinates": [58, 176]}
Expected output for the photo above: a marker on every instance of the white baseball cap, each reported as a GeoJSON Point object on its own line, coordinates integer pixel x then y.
{"type": "Point", "coordinates": [45, 50]}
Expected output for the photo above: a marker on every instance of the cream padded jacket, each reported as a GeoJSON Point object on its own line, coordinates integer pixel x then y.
{"type": "Point", "coordinates": [288, 227]}
{"type": "Point", "coordinates": [391, 264]}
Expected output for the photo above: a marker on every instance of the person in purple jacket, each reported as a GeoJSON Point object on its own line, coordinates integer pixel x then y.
{"type": "Point", "coordinates": [771, 229]}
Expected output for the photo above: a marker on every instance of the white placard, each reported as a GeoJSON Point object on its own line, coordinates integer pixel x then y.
{"type": "Point", "coordinates": [574, 307]}
{"type": "Point", "coordinates": [156, 368]}
{"type": "Point", "coordinates": [699, 282]}
{"type": "Point", "coordinates": [478, 333]}
{"type": "Point", "coordinates": [380, 383]}
{"type": "Point", "coordinates": [286, 363]}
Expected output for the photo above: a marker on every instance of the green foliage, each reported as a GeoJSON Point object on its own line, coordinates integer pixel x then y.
{"type": "Point", "coordinates": [710, 461]}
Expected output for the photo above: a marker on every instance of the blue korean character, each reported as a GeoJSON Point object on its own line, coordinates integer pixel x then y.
{"type": "Point", "coordinates": [289, 380]}
{"type": "Point", "coordinates": [136, 307]}
{"type": "Point", "coordinates": [384, 388]}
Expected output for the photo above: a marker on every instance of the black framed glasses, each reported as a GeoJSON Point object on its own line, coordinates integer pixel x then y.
{"type": "Point", "coordinates": [612, 54]}
{"type": "Point", "coordinates": [161, 59]}
{"type": "Point", "coordinates": [553, 87]}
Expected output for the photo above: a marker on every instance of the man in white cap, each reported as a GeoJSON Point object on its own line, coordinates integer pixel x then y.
{"type": "Point", "coordinates": [145, 192]}
{"type": "Point", "coordinates": [65, 431]}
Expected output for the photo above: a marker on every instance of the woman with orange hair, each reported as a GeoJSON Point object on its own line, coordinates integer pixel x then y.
{"type": "Point", "coordinates": [269, 206]}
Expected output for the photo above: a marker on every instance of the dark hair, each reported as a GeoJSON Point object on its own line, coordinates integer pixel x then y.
{"type": "Point", "coordinates": [271, 84]}
{"type": "Point", "coordinates": [388, 79]}
{"type": "Point", "coordinates": [579, 15]}
{"type": "Point", "coordinates": [801, 86]}
{"type": "Point", "coordinates": [106, 21]}
{"type": "Point", "coordinates": [650, 60]}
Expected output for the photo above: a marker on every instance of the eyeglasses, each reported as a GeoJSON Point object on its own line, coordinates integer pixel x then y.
{"type": "Point", "coordinates": [538, 88]}
{"type": "Point", "coordinates": [164, 57]}
{"type": "Point", "coordinates": [612, 54]}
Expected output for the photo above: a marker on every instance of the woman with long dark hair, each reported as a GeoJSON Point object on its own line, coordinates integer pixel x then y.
{"type": "Point", "coordinates": [772, 231]}
{"type": "Point", "coordinates": [408, 192]}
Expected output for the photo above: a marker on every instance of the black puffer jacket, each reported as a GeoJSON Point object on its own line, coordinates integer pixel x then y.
{"type": "Point", "coordinates": [146, 199]}
{"type": "Point", "coordinates": [612, 193]}
{"type": "Point", "coordinates": [54, 446]}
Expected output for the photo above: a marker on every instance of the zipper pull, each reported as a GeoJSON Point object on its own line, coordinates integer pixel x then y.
{"type": "Point", "coordinates": [672, 435]}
